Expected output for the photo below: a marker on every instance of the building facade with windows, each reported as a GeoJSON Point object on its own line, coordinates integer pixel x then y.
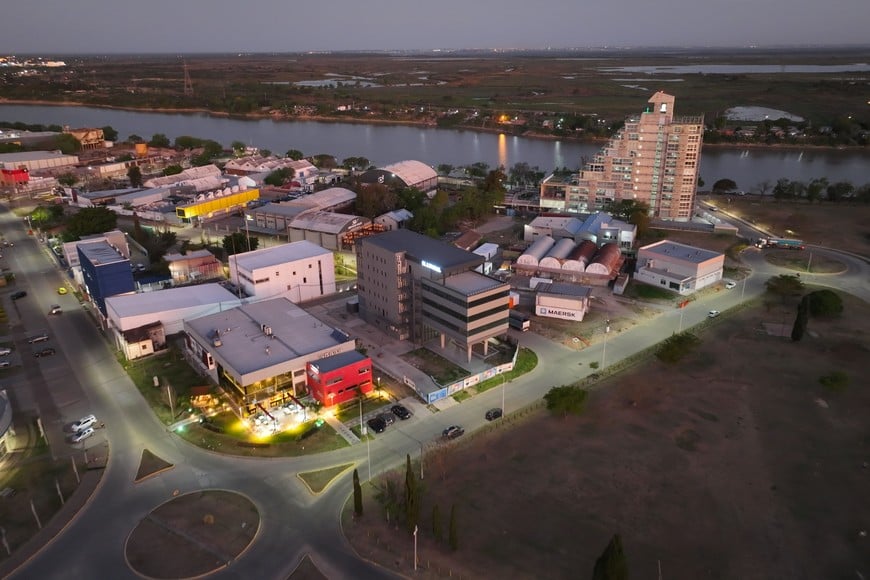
{"type": "Point", "coordinates": [414, 287]}
{"type": "Point", "coordinates": [300, 271]}
{"type": "Point", "coordinates": [105, 272]}
{"type": "Point", "coordinates": [654, 158]}
{"type": "Point", "coordinates": [340, 378]}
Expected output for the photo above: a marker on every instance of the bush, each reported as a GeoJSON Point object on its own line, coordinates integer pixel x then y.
{"type": "Point", "coordinates": [836, 381]}
{"type": "Point", "coordinates": [677, 346]}
{"type": "Point", "coordinates": [825, 303]}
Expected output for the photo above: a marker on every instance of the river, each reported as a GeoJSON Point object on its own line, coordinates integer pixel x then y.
{"type": "Point", "coordinates": [384, 144]}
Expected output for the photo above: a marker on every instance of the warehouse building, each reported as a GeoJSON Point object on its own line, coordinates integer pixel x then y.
{"type": "Point", "coordinates": [403, 174]}
{"type": "Point", "coordinates": [678, 267]}
{"type": "Point", "coordinates": [332, 231]}
{"type": "Point", "coordinates": [37, 160]}
{"type": "Point", "coordinates": [299, 271]}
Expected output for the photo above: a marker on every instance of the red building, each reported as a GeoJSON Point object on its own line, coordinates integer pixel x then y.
{"type": "Point", "coordinates": [14, 176]}
{"type": "Point", "coordinates": [340, 378]}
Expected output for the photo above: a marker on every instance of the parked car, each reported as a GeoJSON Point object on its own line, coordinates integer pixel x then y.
{"type": "Point", "coordinates": [713, 314]}
{"type": "Point", "coordinates": [388, 418]}
{"type": "Point", "coordinates": [729, 285]}
{"type": "Point", "coordinates": [81, 435]}
{"type": "Point", "coordinates": [493, 414]}
{"type": "Point", "coordinates": [5, 350]}
{"type": "Point", "coordinates": [453, 432]}
{"type": "Point", "coordinates": [140, 267]}
{"type": "Point", "coordinates": [19, 294]}
{"type": "Point", "coordinates": [55, 309]}
{"type": "Point", "coordinates": [4, 364]}
{"type": "Point", "coordinates": [84, 423]}
{"type": "Point", "coordinates": [401, 411]}
{"type": "Point", "coordinates": [48, 351]}
{"type": "Point", "coordinates": [377, 424]}
{"type": "Point", "coordinates": [38, 338]}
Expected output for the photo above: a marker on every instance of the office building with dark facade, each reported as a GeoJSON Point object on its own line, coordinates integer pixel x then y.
{"type": "Point", "coordinates": [416, 288]}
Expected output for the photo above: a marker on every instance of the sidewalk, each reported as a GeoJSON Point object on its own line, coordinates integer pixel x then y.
{"type": "Point", "coordinates": [342, 430]}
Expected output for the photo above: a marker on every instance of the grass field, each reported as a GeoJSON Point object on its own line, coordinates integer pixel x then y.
{"type": "Point", "coordinates": [734, 463]}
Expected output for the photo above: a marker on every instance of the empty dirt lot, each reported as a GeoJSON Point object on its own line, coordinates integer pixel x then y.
{"type": "Point", "coordinates": [735, 464]}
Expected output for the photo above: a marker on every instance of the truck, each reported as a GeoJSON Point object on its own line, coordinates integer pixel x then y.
{"type": "Point", "coordinates": [518, 320]}
{"type": "Point", "coordinates": [780, 243]}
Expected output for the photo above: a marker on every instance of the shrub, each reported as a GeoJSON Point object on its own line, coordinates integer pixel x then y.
{"type": "Point", "coordinates": [677, 346]}
{"type": "Point", "coordinates": [825, 303]}
{"type": "Point", "coordinates": [836, 381]}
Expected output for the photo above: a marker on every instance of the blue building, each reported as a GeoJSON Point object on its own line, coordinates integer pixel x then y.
{"type": "Point", "coordinates": [105, 271]}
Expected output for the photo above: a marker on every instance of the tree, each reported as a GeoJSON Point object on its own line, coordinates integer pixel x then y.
{"type": "Point", "coordinates": [355, 163]}
{"type": "Point", "coordinates": [294, 154]}
{"type": "Point", "coordinates": [566, 400]}
{"type": "Point", "coordinates": [700, 181]}
{"type": "Point", "coordinates": [453, 533]}
{"type": "Point", "coordinates": [67, 143]}
{"type": "Point", "coordinates": [611, 564]}
{"type": "Point", "coordinates": [134, 174]}
{"type": "Point", "coordinates": [357, 495]}
{"type": "Point", "coordinates": [632, 211]}
{"type": "Point", "coordinates": [46, 216]}
{"type": "Point", "coordinates": [785, 285]}
{"type": "Point", "coordinates": [159, 140]}
{"type": "Point", "coordinates": [90, 220]}
{"type": "Point", "coordinates": [801, 320]}
{"type": "Point", "coordinates": [172, 170]}
{"type": "Point", "coordinates": [109, 133]}
{"type": "Point", "coordinates": [68, 179]}
{"type": "Point", "coordinates": [436, 523]}
{"type": "Point", "coordinates": [840, 190]}
{"type": "Point", "coordinates": [815, 189]}
{"type": "Point", "coordinates": [825, 303]}
{"type": "Point", "coordinates": [412, 496]}
{"type": "Point", "coordinates": [324, 161]}
{"type": "Point", "coordinates": [238, 148]}
{"type": "Point", "coordinates": [238, 243]}
{"type": "Point", "coordinates": [134, 138]}
{"type": "Point", "coordinates": [266, 152]}
{"type": "Point", "coordinates": [763, 188]}
{"type": "Point", "coordinates": [280, 176]}
{"type": "Point", "coordinates": [445, 169]}
{"type": "Point", "coordinates": [724, 186]}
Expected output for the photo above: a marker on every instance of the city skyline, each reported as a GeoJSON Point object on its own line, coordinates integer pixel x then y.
{"type": "Point", "coordinates": [196, 26]}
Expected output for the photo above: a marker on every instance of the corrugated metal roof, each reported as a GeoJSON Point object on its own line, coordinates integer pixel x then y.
{"type": "Point", "coordinates": [412, 172]}
{"type": "Point", "coordinates": [278, 255]}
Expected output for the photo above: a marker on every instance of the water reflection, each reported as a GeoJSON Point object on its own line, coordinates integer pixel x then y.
{"type": "Point", "coordinates": [502, 151]}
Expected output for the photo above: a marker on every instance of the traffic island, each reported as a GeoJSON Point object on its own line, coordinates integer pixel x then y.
{"type": "Point", "coordinates": [150, 465]}
{"type": "Point", "coordinates": [192, 535]}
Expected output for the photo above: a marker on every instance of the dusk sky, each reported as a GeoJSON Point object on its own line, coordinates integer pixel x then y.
{"type": "Point", "coordinates": [184, 26]}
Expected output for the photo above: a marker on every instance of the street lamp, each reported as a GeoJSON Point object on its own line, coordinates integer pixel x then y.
{"type": "Point", "coordinates": [604, 349]}
{"type": "Point", "coordinates": [415, 548]}
{"type": "Point", "coordinates": [503, 389]}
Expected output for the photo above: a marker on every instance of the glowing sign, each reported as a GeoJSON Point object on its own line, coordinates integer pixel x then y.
{"type": "Point", "coordinates": [431, 266]}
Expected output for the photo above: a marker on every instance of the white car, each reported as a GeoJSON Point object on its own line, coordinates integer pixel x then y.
{"type": "Point", "coordinates": [84, 423]}
{"type": "Point", "coordinates": [729, 285]}
{"type": "Point", "coordinates": [5, 350]}
{"type": "Point", "coordinates": [5, 364]}
{"type": "Point", "coordinates": [713, 314]}
{"type": "Point", "coordinates": [81, 435]}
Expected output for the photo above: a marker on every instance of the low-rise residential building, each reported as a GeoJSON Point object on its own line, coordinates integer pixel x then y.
{"type": "Point", "coordinates": [678, 267]}
{"type": "Point", "coordinates": [259, 352]}
{"type": "Point", "coordinates": [195, 266]}
{"type": "Point", "coordinates": [394, 220]}
{"type": "Point", "coordinates": [299, 271]}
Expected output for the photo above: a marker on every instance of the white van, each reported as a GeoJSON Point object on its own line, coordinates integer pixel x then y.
{"type": "Point", "coordinates": [84, 423]}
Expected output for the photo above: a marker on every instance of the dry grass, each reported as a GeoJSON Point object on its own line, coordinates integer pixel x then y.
{"type": "Point", "coordinates": [736, 463]}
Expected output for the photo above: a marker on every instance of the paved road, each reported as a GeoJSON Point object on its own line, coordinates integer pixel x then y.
{"type": "Point", "coordinates": [294, 523]}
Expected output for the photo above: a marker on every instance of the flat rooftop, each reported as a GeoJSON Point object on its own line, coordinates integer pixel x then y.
{"type": "Point", "coordinates": [669, 249]}
{"type": "Point", "coordinates": [470, 283]}
{"type": "Point", "coordinates": [170, 299]}
{"type": "Point", "coordinates": [423, 248]}
{"type": "Point", "coordinates": [282, 254]}
{"type": "Point", "coordinates": [100, 253]}
{"type": "Point", "coordinates": [246, 348]}
{"type": "Point", "coordinates": [337, 361]}
{"type": "Point", "coordinates": [564, 289]}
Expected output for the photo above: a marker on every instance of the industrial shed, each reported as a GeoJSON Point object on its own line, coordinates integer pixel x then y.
{"type": "Point", "coordinates": [557, 254]}
{"type": "Point", "coordinates": [326, 229]}
{"type": "Point", "coordinates": [533, 255]}
{"type": "Point", "coordinates": [605, 261]}
{"type": "Point", "coordinates": [403, 174]}
{"type": "Point", "coordinates": [580, 256]}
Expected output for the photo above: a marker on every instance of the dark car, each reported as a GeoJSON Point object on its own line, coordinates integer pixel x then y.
{"type": "Point", "coordinates": [493, 414]}
{"type": "Point", "coordinates": [377, 424]}
{"type": "Point", "coordinates": [388, 418]}
{"type": "Point", "coordinates": [19, 294]}
{"type": "Point", "coordinates": [44, 352]}
{"type": "Point", "coordinates": [401, 411]}
{"type": "Point", "coordinates": [453, 432]}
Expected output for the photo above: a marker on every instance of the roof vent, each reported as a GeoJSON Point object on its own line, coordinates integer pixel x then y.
{"type": "Point", "coordinates": [216, 340]}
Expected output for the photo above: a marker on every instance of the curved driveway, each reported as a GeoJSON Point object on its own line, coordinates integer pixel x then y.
{"type": "Point", "coordinates": [293, 522]}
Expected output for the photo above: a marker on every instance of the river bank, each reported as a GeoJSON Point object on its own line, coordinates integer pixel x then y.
{"type": "Point", "coordinates": [336, 119]}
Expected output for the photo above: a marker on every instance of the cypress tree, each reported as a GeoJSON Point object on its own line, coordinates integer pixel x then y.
{"type": "Point", "coordinates": [611, 564]}
{"type": "Point", "coordinates": [436, 523]}
{"type": "Point", "coordinates": [412, 497]}
{"type": "Point", "coordinates": [357, 495]}
{"type": "Point", "coordinates": [801, 320]}
{"type": "Point", "coordinates": [453, 539]}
